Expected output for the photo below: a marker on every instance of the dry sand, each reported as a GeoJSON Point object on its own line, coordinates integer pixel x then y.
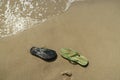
{"type": "Point", "coordinates": [92, 27]}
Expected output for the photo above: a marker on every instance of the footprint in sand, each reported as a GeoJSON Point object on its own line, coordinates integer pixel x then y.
{"type": "Point", "coordinates": [67, 75]}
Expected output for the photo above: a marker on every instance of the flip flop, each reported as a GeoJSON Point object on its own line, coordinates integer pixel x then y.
{"type": "Point", "coordinates": [74, 57]}
{"type": "Point", "coordinates": [44, 53]}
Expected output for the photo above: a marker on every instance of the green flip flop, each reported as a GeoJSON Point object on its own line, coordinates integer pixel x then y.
{"type": "Point", "coordinates": [74, 57]}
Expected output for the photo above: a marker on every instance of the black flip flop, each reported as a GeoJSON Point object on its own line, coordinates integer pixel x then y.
{"type": "Point", "coordinates": [44, 53]}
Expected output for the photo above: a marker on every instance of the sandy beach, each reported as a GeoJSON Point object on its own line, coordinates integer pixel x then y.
{"type": "Point", "coordinates": [91, 27]}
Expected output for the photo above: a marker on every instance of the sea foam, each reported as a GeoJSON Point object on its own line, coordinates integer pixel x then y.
{"type": "Point", "coordinates": [19, 15]}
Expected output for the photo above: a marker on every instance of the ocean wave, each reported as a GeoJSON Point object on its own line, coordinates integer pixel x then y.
{"type": "Point", "coordinates": [19, 15]}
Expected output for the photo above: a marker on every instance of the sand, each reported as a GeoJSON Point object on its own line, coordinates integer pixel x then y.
{"type": "Point", "coordinates": [91, 28]}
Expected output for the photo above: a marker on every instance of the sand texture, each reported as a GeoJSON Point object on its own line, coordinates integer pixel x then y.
{"type": "Point", "coordinates": [92, 28]}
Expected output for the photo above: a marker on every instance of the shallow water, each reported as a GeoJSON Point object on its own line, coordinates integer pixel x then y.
{"type": "Point", "coordinates": [19, 15]}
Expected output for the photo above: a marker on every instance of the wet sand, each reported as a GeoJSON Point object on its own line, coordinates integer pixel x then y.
{"type": "Point", "coordinates": [91, 28]}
